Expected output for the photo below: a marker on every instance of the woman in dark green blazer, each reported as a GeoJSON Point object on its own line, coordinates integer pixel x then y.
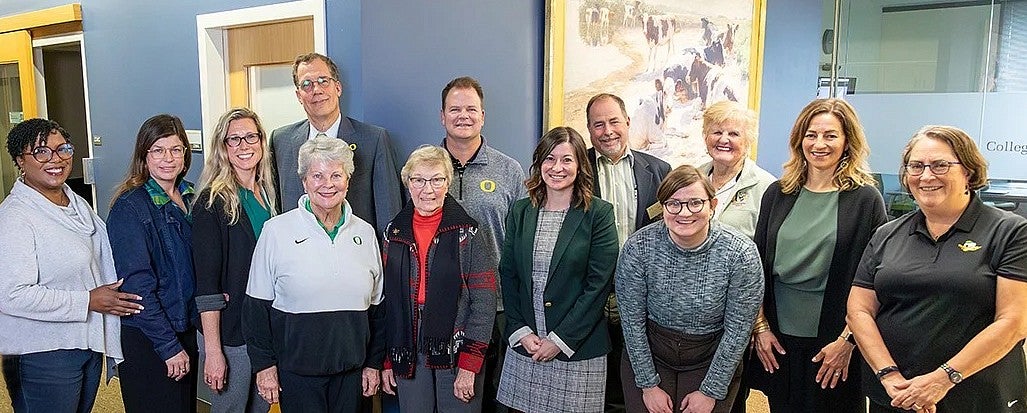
{"type": "Point", "coordinates": [556, 269]}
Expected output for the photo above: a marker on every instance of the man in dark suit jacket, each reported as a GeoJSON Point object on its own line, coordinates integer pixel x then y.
{"type": "Point", "coordinates": [629, 181]}
{"type": "Point", "coordinates": [374, 193]}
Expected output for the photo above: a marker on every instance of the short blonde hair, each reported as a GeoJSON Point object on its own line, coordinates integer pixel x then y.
{"type": "Point", "coordinates": [325, 149]}
{"type": "Point", "coordinates": [428, 155]}
{"type": "Point", "coordinates": [729, 111]}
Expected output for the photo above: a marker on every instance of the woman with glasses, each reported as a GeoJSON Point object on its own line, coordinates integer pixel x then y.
{"type": "Point", "coordinates": [813, 226]}
{"type": "Point", "coordinates": [312, 315]}
{"type": "Point", "coordinates": [442, 294]}
{"type": "Point", "coordinates": [937, 303]}
{"type": "Point", "coordinates": [689, 287]}
{"type": "Point", "coordinates": [556, 268]}
{"type": "Point", "coordinates": [237, 196]}
{"type": "Point", "coordinates": [151, 235]}
{"type": "Point", "coordinates": [60, 306]}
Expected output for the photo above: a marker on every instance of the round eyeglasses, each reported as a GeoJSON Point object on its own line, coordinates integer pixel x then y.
{"type": "Point", "coordinates": [177, 151]}
{"type": "Point", "coordinates": [307, 85]}
{"type": "Point", "coordinates": [44, 154]}
{"type": "Point", "coordinates": [250, 138]}
{"type": "Point", "coordinates": [436, 182]}
{"type": "Point", "coordinates": [917, 168]}
{"type": "Point", "coordinates": [694, 205]}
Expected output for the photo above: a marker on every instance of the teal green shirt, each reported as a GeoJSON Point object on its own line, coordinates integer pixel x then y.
{"type": "Point", "coordinates": [331, 232]}
{"type": "Point", "coordinates": [257, 213]}
{"type": "Point", "coordinates": [805, 246]}
{"type": "Point", "coordinates": [160, 197]}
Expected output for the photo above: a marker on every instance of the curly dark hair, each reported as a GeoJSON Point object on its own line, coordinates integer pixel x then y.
{"type": "Point", "coordinates": [31, 133]}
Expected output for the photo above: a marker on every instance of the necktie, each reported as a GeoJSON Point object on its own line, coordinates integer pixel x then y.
{"type": "Point", "coordinates": [321, 135]}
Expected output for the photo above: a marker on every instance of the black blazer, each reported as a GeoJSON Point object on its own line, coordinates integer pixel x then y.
{"type": "Point", "coordinates": [649, 173]}
{"type": "Point", "coordinates": [580, 276]}
{"type": "Point", "coordinates": [860, 212]}
{"type": "Point", "coordinates": [221, 260]}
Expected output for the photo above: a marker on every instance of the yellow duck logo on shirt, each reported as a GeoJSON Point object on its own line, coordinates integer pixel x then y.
{"type": "Point", "coordinates": [969, 246]}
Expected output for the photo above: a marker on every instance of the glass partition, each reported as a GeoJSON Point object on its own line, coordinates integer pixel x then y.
{"type": "Point", "coordinates": [910, 63]}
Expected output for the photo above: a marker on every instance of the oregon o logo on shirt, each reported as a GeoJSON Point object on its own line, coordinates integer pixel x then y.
{"type": "Point", "coordinates": [353, 147]}
{"type": "Point", "coordinates": [488, 185]}
{"type": "Point", "coordinates": [357, 240]}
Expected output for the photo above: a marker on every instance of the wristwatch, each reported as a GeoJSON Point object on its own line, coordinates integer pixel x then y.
{"type": "Point", "coordinates": [885, 371]}
{"type": "Point", "coordinates": [954, 376]}
{"type": "Point", "coordinates": [848, 337]}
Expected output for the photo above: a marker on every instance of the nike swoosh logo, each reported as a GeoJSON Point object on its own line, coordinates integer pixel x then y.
{"type": "Point", "coordinates": [1010, 404]}
{"type": "Point", "coordinates": [300, 241]}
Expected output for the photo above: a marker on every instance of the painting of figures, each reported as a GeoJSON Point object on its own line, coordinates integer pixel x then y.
{"type": "Point", "coordinates": [668, 60]}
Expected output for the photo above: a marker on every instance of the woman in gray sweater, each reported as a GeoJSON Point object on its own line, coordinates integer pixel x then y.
{"type": "Point", "coordinates": [689, 288]}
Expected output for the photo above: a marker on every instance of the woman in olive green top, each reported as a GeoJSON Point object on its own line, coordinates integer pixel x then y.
{"type": "Point", "coordinates": [237, 197]}
{"type": "Point", "coordinates": [813, 227]}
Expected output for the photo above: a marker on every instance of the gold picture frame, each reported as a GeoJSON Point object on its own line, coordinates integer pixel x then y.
{"type": "Point", "coordinates": [645, 52]}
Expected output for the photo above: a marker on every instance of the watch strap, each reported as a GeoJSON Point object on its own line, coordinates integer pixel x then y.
{"type": "Point", "coordinates": [885, 371]}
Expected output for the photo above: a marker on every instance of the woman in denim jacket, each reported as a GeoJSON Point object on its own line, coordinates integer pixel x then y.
{"type": "Point", "coordinates": [150, 232]}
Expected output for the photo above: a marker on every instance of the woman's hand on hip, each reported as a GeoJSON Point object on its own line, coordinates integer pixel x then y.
{"type": "Point", "coordinates": [697, 402]}
{"type": "Point", "coordinates": [215, 370]}
{"type": "Point", "coordinates": [178, 365]}
{"type": "Point", "coordinates": [107, 299]}
{"type": "Point", "coordinates": [657, 401]}
{"type": "Point", "coordinates": [766, 344]}
{"type": "Point", "coordinates": [547, 351]}
{"type": "Point", "coordinates": [463, 385]}
{"type": "Point", "coordinates": [267, 384]}
{"type": "Point", "coordinates": [835, 367]}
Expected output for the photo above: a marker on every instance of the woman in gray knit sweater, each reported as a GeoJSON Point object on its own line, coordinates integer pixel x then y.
{"type": "Point", "coordinates": [689, 288]}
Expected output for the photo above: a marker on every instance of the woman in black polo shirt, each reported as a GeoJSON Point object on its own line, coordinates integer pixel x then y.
{"type": "Point", "coordinates": [937, 303]}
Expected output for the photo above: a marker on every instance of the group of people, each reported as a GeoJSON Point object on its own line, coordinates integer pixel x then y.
{"type": "Point", "coordinates": [603, 280]}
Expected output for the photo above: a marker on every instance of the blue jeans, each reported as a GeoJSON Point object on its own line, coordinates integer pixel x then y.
{"type": "Point", "coordinates": [53, 381]}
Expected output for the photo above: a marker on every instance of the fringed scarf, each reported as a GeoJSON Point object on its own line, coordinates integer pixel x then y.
{"type": "Point", "coordinates": [442, 292]}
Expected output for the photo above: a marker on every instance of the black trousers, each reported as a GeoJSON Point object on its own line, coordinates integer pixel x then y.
{"type": "Point", "coordinates": [336, 393]}
{"type": "Point", "coordinates": [614, 390]}
{"type": "Point", "coordinates": [494, 367]}
{"type": "Point", "coordinates": [145, 385]}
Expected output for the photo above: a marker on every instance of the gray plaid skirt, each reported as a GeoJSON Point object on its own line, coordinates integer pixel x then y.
{"type": "Point", "coordinates": [553, 386]}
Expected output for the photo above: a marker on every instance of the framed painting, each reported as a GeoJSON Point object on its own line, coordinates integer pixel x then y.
{"type": "Point", "coordinates": [668, 60]}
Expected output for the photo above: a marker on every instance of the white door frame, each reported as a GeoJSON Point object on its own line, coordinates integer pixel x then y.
{"type": "Point", "coordinates": [37, 45]}
{"type": "Point", "coordinates": [211, 34]}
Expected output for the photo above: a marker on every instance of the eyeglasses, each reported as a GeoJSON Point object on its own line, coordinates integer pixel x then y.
{"type": "Point", "coordinates": [436, 182]}
{"type": "Point", "coordinates": [916, 168]}
{"type": "Point", "coordinates": [307, 85]}
{"type": "Point", "coordinates": [694, 205]}
{"type": "Point", "coordinates": [250, 138]}
{"type": "Point", "coordinates": [157, 152]}
{"type": "Point", "coordinates": [44, 154]}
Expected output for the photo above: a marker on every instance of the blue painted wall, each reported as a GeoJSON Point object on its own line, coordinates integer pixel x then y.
{"type": "Point", "coordinates": [790, 59]}
{"type": "Point", "coordinates": [395, 57]}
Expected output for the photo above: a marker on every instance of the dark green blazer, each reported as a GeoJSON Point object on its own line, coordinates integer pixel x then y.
{"type": "Point", "coordinates": [580, 276]}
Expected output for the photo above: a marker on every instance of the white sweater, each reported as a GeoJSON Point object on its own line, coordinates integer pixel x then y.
{"type": "Point", "coordinates": [52, 256]}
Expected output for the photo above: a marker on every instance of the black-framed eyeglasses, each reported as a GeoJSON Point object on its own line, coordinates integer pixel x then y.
{"type": "Point", "coordinates": [307, 84]}
{"type": "Point", "coordinates": [941, 167]}
{"type": "Point", "coordinates": [694, 205]}
{"type": "Point", "coordinates": [177, 151]}
{"type": "Point", "coordinates": [44, 154]}
{"type": "Point", "coordinates": [436, 182]}
{"type": "Point", "coordinates": [250, 138]}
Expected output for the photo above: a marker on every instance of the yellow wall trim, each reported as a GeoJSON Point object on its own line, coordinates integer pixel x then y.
{"type": "Point", "coordinates": [46, 17]}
